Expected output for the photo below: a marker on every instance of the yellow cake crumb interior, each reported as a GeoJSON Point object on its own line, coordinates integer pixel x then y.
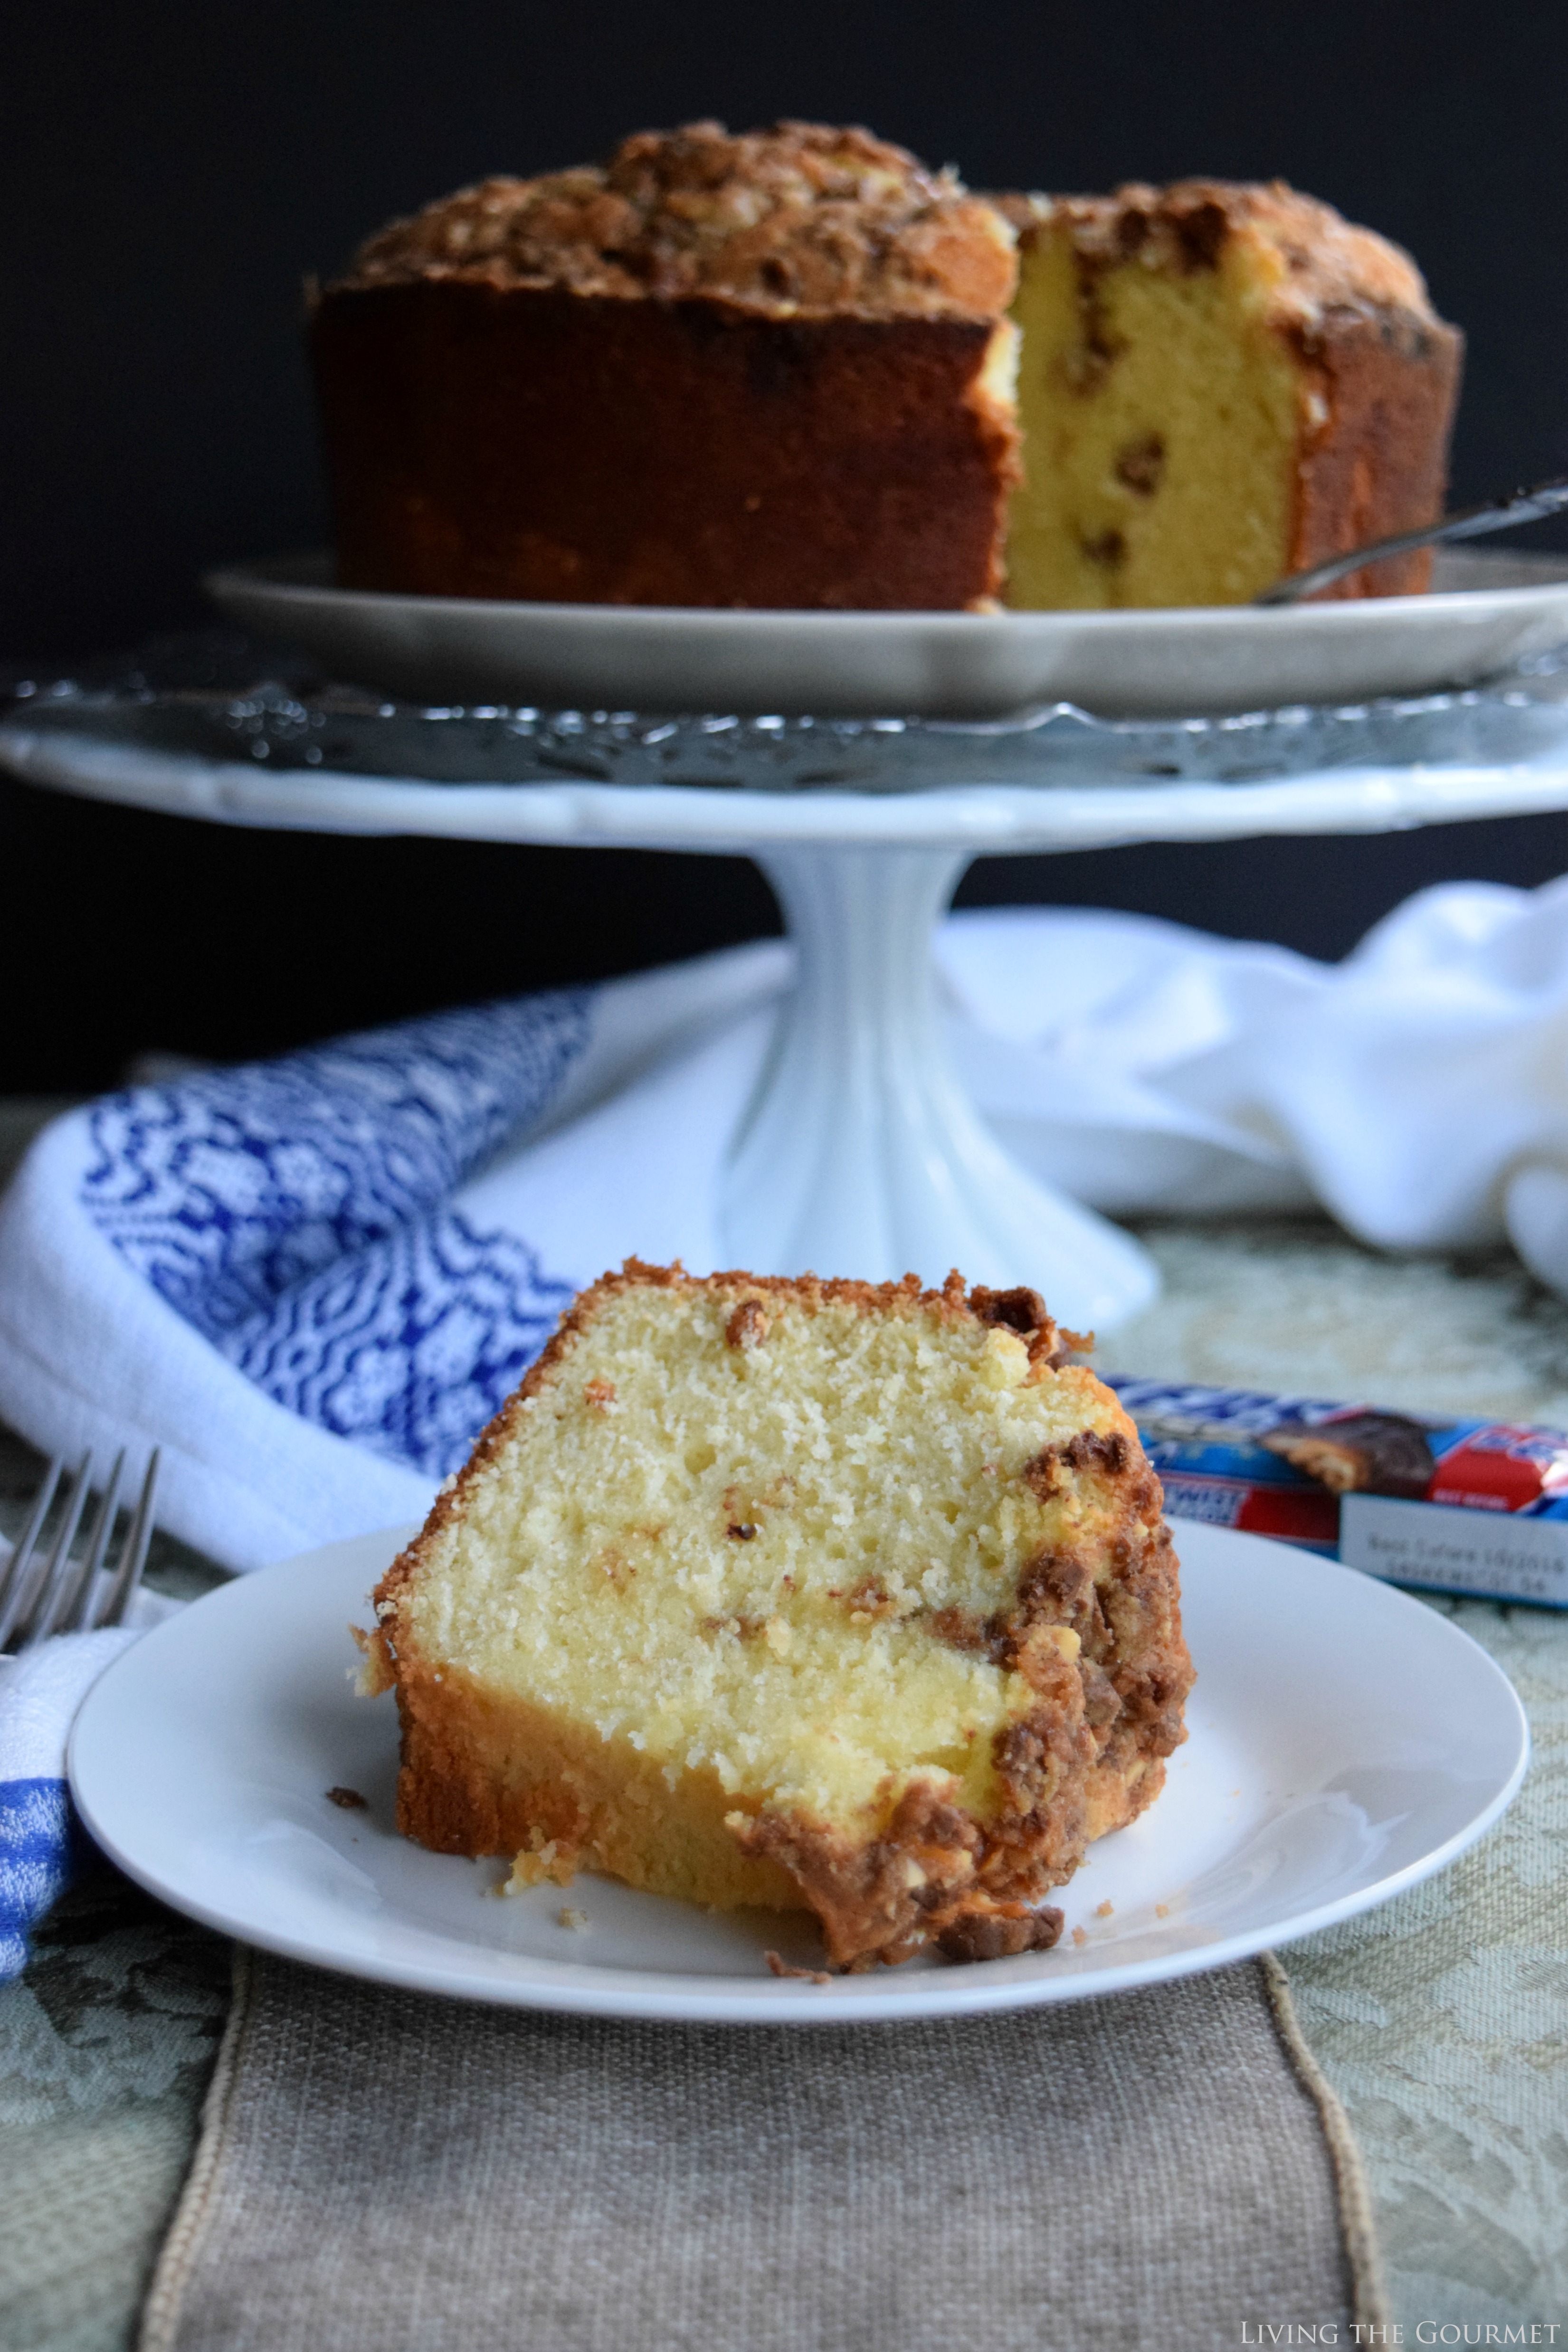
{"type": "Point", "coordinates": [1160, 419]}
{"type": "Point", "coordinates": [727, 1555]}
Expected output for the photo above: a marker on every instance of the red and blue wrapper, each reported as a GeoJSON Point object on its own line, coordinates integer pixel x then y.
{"type": "Point", "coordinates": [1471, 1507]}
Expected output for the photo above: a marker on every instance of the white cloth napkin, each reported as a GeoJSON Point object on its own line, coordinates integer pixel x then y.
{"type": "Point", "coordinates": [312, 1280]}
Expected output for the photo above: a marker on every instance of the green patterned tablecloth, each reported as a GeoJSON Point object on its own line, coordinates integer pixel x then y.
{"type": "Point", "coordinates": [1441, 2019]}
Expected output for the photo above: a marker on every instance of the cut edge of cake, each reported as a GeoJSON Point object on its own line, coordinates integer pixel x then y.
{"type": "Point", "coordinates": [1222, 383]}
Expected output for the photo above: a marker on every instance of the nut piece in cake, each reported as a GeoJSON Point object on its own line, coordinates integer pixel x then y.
{"type": "Point", "coordinates": [764, 369]}
{"type": "Point", "coordinates": [1218, 386]}
{"type": "Point", "coordinates": [859, 1601]}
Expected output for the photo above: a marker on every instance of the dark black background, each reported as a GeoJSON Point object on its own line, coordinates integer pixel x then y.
{"type": "Point", "coordinates": [169, 172]}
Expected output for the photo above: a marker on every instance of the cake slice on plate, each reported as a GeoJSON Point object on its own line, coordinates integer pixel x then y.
{"type": "Point", "coordinates": [810, 1595]}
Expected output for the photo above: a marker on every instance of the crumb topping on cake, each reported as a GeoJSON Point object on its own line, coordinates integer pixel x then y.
{"type": "Point", "coordinates": [800, 219]}
{"type": "Point", "coordinates": [1324, 262]}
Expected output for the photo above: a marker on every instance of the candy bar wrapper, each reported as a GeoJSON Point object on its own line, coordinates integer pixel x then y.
{"type": "Point", "coordinates": [1473, 1507]}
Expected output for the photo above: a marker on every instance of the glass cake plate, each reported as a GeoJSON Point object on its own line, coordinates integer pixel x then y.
{"type": "Point", "coordinates": [227, 696]}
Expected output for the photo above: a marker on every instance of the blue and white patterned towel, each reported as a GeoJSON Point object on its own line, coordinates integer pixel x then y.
{"type": "Point", "coordinates": [39, 1844]}
{"type": "Point", "coordinates": [311, 1281]}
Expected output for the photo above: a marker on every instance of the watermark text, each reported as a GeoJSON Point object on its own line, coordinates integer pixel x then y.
{"type": "Point", "coordinates": [1369, 2332]}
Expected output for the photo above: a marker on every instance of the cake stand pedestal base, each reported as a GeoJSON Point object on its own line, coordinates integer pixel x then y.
{"type": "Point", "coordinates": [859, 1154]}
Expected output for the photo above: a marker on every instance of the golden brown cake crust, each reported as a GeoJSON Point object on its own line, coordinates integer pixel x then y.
{"type": "Point", "coordinates": [717, 371]}
{"type": "Point", "coordinates": [528, 442]}
{"type": "Point", "coordinates": [1381, 369]}
{"type": "Point", "coordinates": [1098, 1638]}
{"type": "Point", "coordinates": [799, 220]}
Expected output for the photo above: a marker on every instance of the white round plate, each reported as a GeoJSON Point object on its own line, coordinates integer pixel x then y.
{"type": "Point", "coordinates": [1345, 1742]}
{"type": "Point", "coordinates": [1492, 610]}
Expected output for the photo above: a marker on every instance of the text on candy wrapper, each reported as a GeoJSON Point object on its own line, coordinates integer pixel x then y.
{"type": "Point", "coordinates": [1507, 1558]}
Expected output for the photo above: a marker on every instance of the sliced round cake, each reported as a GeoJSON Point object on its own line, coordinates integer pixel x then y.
{"type": "Point", "coordinates": [795, 368]}
{"type": "Point", "coordinates": [811, 1595]}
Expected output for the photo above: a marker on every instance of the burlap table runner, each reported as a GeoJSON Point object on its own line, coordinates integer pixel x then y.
{"type": "Point", "coordinates": [378, 2171]}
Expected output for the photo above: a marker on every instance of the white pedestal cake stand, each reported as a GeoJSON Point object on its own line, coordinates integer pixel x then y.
{"type": "Point", "coordinates": [859, 1153]}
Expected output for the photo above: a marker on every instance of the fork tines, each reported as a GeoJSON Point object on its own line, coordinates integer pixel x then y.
{"type": "Point", "coordinates": [44, 1589]}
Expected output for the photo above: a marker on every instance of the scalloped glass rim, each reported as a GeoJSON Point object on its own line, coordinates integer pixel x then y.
{"type": "Point", "coordinates": [277, 716]}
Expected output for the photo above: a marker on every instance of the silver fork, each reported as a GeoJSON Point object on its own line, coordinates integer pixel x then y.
{"type": "Point", "coordinates": [45, 1591]}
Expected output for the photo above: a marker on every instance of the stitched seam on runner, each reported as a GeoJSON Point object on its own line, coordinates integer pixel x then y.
{"type": "Point", "coordinates": [1357, 2218]}
{"type": "Point", "coordinates": [193, 2214]}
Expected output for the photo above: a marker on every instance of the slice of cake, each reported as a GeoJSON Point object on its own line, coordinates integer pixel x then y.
{"type": "Point", "coordinates": [772, 370]}
{"type": "Point", "coordinates": [1218, 386]}
{"type": "Point", "coordinates": [811, 1595]}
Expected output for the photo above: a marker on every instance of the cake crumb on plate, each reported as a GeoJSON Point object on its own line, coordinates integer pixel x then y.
{"type": "Point", "coordinates": [786, 1969]}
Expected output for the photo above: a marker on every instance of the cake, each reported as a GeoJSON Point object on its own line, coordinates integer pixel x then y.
{"type": "Point", "coordinates": [1217, 387]}
{"type": "Point", "coordinates": [816, 1596]}
{"type": "Point", "coordinates": [778, 370]}
{"type": "Point", "coordinates": [772, 370]}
